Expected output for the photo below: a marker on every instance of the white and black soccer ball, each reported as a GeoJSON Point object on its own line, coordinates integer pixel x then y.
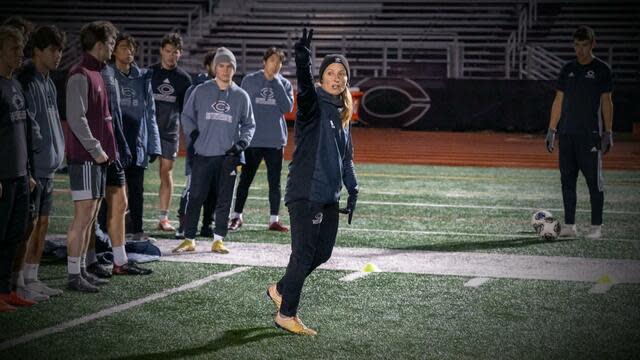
{"type": "Point", "coordinates": [537, 219]}
{"type": "Point", "coordinates": [549, 229]}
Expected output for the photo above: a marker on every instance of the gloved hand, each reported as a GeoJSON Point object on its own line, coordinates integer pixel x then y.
{"type": "Point", "coordinates": [194, 136]}
{"type": "Point", "coordinates": [351, 206]}
{"type": "Point", "coordinates": [550, 139]}
{"type": "Point", "coordinates": [236, 148]}
{"type": "Point", "coordinates": [606, 142]}
{"type": "Point", "coordinates": [304, 43]}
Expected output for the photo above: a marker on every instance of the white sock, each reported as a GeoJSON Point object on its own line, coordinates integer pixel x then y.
{"type": "Point", "coordinates": [217, 237]}
{"type": "Point", "coordinates": [73, 265]}
{"type": "Point", "coordinates": [119, 255]}
{"type": "Point", "coordinates": [83, 261]}
{"type": "Point", "coordinates": [163, 215]}
{"type": "Point", "coordinates": [273, 218]}
{"type": "Point", "coordinates": [91, 256]}
{"type": "Point", "coordinates": [235, 215]}
{"type": "Point", "coordinates": [31, 272]}
{"type": "Point", "coordinates": [20, 280]}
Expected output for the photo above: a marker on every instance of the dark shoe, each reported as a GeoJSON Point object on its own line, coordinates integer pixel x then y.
{"type": "Point", "coordinates": [99, 270]}
{"type": "Point", "coordinates": [92, 279]}
{"type": "Point", "coordinates": [276, 226]}
{"type": "Point", "coordinates": [235, 224]}
{"type": "Point", "coordinates": [130, 268]}
{"type": "Point", "coordinates": [206, 231]}
{"type": "Point", "coordinates": [77, 283]}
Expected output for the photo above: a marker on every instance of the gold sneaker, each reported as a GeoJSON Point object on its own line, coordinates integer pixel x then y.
{"type": "Point", "coordinates": [186, 245]}
{"type": "Point", "coordinates": [274, 295]}
{"type": "Point", "coordinates": [294, 325]}
{"type": "Point", "coordinates": [218, 247]}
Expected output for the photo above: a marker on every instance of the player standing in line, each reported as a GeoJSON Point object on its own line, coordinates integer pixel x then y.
{"type": "Point", "coordinates": [48, 144]}
{"type": "Point", "coordinates": [581, 107]}
{"type": "Point", "coordinates": [169, 83]}
{"type": "Point", "coordinates": [322, 161]}
{"type": "Point", "coordinates": [90, 146]}
{"type": "Point", "coordinates": [271, 97]}
{"type": "Point", "coordinates": [15, 180]}
{"type": "Point", "coordinates": [218, 116]}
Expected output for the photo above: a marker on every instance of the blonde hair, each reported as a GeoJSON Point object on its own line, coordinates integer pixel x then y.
{"type": "Point", "coordinates": [10, 32]}
{"type": "Point", "coordinates": [347, 107]}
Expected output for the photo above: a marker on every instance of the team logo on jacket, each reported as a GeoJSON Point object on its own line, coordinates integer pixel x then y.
{"type": "Point", "coordinates": [220, 110]}
{"type": "Point", "coordinates": [165, 91]}
{"type": "Point", "coordinates": [266, 97]}
{"type": "Point", "coordinates": [317, 219]}
{"type": "Point", "coordinates": [128, 97]}
{"type": "Point", "coordinates": [18, 103]}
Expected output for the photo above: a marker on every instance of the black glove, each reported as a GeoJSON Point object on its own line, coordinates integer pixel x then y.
{"type": "Point", "coordinates": [351, 206]}
{"type": "Point", "coordinates": [194, 136]}
{"type": "Point", "coordinates": [304, 43]}
{"type": "Point", "coordinates": [237, 148]}
{"type": "Point", "coordinates": [606, 142]}
{"type": "Point", "coordinates": [550, 139]}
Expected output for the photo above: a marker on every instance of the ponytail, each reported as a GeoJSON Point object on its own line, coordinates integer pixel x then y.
{"type": "Point", "coordinates": [347, 107]}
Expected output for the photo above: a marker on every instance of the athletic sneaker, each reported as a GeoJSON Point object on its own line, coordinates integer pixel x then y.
{"type": "Point", "coordinates": [277, 226]}
{"type": "Point", "coordinates": [594, 233]}
{"type": "Point", "coordinates": [29, 294]}
{"type": "Point", "coordinates": [218, 247]}
{"type": "Point", "coordinates": [568, 230]}
{"type": "Point", "coordinates": [92, 279]}
{"type": "Point", "coordinates": [130, 268]}
{"type": "Point", "coordinates": [186, 245]}
{"type": "Point", "coordinates": [16, 300]}
{"type": "Point", "coordinates": [164, 225]}
{"type": "Point", "coordinates": [78, 283]}
{"type": "Point", "coordinates": [293, 325]}
{"type": "Point", "coordinates": [4, 307]}
{"type": "Point", "coordinates": [42, 288]}
{"type": "Point", "coordinates": [99, 270]}
{"type": "Point", "coordinates": [274, 295]}
{"type": "Point", "coordinates": [235, 224]}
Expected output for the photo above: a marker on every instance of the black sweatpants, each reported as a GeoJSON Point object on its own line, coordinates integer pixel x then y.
{"type": "Point", "coordinates": [313, 235]}
{"type": "Point", "coordinates": [581, 153]}
{"type": "Point", "coordinates": [135, 196]}
{"type": "Point", "coordinates": [14, 218]}
{"type": "Point", "coordinates": [207, 207]}
{"type": "Point", "coordinates": [273, 159]}
{"type": "Point", "coordinates": [210, 173]}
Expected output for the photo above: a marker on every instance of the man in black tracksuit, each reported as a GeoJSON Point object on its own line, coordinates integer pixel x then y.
{"type": "Point", "coordinates": [322, 161]}
{"type": "Point", "coordinates": [582, 104]}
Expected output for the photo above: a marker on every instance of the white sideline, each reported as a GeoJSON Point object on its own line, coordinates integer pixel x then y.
{"type": "Point", "coordinates": [354, 276]}
{"type": "Point", "coordinates": [476, 282]}
{"type": "Point", "coordinates": [116, 309]}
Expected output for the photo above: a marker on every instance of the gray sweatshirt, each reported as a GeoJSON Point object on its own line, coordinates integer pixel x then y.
{"type": "Point", "coordinates": [270, 100]}
{"type": "Point", "coordinates": [222, 118]}
{"type": "Point", "coordinates": [47, 134]}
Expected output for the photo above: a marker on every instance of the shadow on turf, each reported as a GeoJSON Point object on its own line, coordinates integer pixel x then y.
{"type": "Point", "coordinates": [229, 338]}
{"type": "Point", "coordinates": [484, 245]}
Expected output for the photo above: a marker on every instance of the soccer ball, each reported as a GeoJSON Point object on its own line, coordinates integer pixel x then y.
{"type": "Point", "coordinates": [537, 219]}
{"type": "Point", "coordinates": [550, 229]}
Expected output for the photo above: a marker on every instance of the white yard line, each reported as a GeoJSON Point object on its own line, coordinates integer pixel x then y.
{"type": "Point", "coordinates": [466, 264]}
{"type": "Point", "coordinates": [476, 282]}
{"type": "Point", "coordinates": [354, 276]}
{"type": "Point", "coordinates": [116, 309]}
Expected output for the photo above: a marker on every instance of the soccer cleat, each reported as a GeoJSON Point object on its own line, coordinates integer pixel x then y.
{"type": "Point", "coordinates": [595, 232]}
{"type": "Point", "coordinates": [164, 225]}
{"type": "Point", "coordinates": [186, 245]}
{"type": "Point", "coordinates": [218, 247]}
{"type": "Point", "coordinates": [274, 295]}
{"type": "Point", "coordinates": [235, 223]}
{"type": "Point", "coordinates": [293, 325]}
{"type": "Point", "coordinates": [568, 230]}
{"type": "Point", "coordinates": [277, 226]}
{"type": "Point", "coordinates": [16, 300]}
{"type": "Point", "coordinates": [130, 268]}
{"type": "Point", "coordinates": [92, 279]}
{"type": "Point", "coordinates": [42, 288]}
{"type": "Point", "coordinates": [29, 294]}
{"type": "Point", "coordinates": [99, 270]}
{"type": "Point", "coordinates": [4, 307]}
{"type": "Point", "coordinates": [78, 283]}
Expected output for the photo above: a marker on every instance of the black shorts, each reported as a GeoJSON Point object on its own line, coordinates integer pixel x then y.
{"type": "Point", "coordinates": [169, 149]}
{"type": "Point", "coordinates": [44, 197]}
{"type": "Point", "coordinates": [115, 174]}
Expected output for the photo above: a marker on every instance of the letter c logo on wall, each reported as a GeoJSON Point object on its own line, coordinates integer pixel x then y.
{"type": "Point", "coordinates": [392, 102]}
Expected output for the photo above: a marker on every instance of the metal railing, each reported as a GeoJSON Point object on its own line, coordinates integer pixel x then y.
{"type": "Point", "coordinates": [537, 63]}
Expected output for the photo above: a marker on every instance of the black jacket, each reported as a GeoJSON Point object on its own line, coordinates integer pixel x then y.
{"type": "Point", "coordinates": [323, 157]}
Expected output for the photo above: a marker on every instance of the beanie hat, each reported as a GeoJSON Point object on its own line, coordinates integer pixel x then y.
{"type": "Point", "coordinates": [332, 59]}
{"type": "Point", "coordinates": [224, 55]}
